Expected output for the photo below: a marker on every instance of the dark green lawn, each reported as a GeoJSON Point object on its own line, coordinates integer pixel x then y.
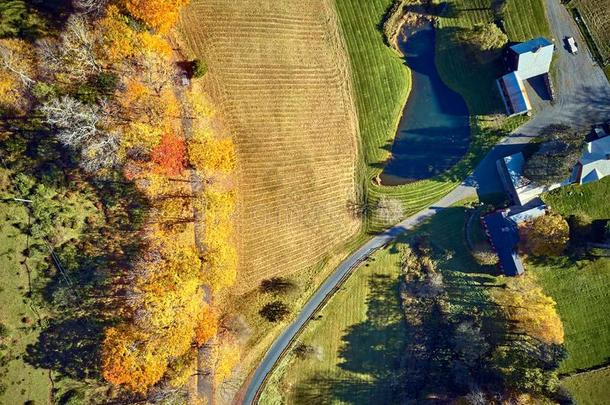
{"type": "Point", "coordinates": [581, 292]}
{"type": "Point", "coordinates": [590, 199]}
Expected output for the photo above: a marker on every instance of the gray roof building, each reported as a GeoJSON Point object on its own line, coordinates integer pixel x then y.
{"type": "Point", "coordinates": [533, 58]}
{"type": "Point", "coordinates": [527, 60]}
{"type": "Point", "coordinates": [595, 161]}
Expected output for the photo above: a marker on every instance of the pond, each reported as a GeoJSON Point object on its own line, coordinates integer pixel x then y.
{"type": "Point", "coordinates": [434, 131]}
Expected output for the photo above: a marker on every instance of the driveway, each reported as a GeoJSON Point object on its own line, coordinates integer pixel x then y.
{"type": "Point", "coordinates": [583, 98]}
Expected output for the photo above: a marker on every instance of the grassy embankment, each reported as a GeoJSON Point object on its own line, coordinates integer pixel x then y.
{"type": "Point", "coordinates": [580, 289]}
{"type": "Point", "coordinates": [381, 85]}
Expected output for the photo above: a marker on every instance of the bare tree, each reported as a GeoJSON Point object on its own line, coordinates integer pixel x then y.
{"type": "Point", "coordinates": [389, 210]}
{"type": "Point", "coordinates": [92, 7]}
{"type": "Point", "coordinates": [77, 122]}
{"type": "Point", "coordinates": [74, 54]}
{"type": "Point", "coordinates": [78, 129]}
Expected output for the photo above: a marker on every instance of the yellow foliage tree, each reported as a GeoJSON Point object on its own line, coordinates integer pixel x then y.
{"type": "Point", "coordinates": [118, 39]}
{"type": "Point", "coordinates": [159, 14]}
{"type": "Point", "coordinates": [209, 154]}
{"type": "Point", "coordinates": [207, 325]}
{"type": "Point", "coordinates": [16, 72]}
{"type": "Point", "coordinates": [547, 235]}
{"type": "Point", "coordinates": [533, 312]}
{"type": "Point", "coordinates": [226, 354]}
{"type": "Point", "coordinates": [130, 358]}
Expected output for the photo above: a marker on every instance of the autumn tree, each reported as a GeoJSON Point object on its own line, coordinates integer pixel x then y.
{"type": "Point", "coordinates": [16, 73]}
{"type": "Point", "coordinates": [207, 325]}
{"type": "Point", "coordinates": [159, 15]}
{"type": "Point", "coordinates": [530, 310]}
{"type": "Point", "coordinates": [547, 235]}
{"type": "Point", "coordinates": [130, 358]}
{"type": "Point", "coordinates": [169, 156]}
{"type": "Point", "coordinates": [209, 154]}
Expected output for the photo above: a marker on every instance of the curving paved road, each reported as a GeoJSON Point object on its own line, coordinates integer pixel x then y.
{"type": "Point", "coordinates": [583, 98]}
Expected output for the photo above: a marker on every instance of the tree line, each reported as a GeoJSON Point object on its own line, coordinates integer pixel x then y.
{"type": "Point", "coordinates": [107, 86]}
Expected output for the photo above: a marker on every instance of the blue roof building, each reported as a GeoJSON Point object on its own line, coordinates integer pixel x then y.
{"type": "Point", "coordinates": [503, 235]}
{"type": "Point", "coordinates": [532, 58]}
{"type": "Point", "coordinates": [502, 229]}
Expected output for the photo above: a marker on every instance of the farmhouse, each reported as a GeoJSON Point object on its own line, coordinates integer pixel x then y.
{"type": "Point", "coordinates": [525, 61]}
{"type": "Point", "coordinates": [595, 161]}
{"type": "Point", "coordinates": [519, 188]}
{"type": "Point", "coordinates": [502, 229]}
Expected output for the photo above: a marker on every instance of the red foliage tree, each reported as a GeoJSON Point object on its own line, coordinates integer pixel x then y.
{"type": "Point", "coordinates": [170, 155]}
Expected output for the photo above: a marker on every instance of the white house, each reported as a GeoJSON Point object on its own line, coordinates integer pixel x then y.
{"type": "Point", "coordinates": [595, 161]}
{"type": "Point", "coordinates": [527, 60]}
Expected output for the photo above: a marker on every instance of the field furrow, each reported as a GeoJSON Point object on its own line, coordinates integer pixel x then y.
{"type": "Point", "coordinates": [280, 77]}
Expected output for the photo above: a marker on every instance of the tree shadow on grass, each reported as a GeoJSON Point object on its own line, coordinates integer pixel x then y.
{"type": "Point", "coordinates": [70, 347]}
{"type": "Point", "coordinates": [370, 354]}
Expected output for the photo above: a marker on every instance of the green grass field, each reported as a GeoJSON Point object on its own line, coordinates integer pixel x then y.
{"type": "Point", "coordinates": [21, 381]}
{"type": "Point", "coordinates": [358, 335]}
{"type": "Point", "coordinates": [29, 363]}
{"type": "Point", "coordinates": [592, 388]}
{"type": "Point", "coordinates": [590, 199]}
{"type": "Point", "coordinates": [581, 292]}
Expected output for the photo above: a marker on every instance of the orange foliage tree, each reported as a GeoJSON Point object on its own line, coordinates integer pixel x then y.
{"type": "Point", "coordinates": [207, 325]}
{"type": "Point", "coordinates": [169, 156]}
{"type": "Point", "coordinates": [129, 358]}
{"type": "Point", "coordinates": [158, 14]}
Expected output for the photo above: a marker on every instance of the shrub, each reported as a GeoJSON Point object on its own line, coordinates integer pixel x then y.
{"type": "Point", "coordinates": [389, 210]}
{"type": "Point", "coordinates": [275, 311]}
{"type": "Point", "coordinates": [303, 351]}
{"type": "Point", "coordinates": [484, 255]}
{"type": "Point", "coordinates": [485, 41]}
{"type": "Point", "coordinates": [199, 68]}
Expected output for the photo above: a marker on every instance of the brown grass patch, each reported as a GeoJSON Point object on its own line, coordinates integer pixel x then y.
{"type": "Point", "coordinates": [279, 73]}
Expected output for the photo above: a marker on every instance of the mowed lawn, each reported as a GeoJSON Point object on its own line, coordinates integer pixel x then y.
{"type": "Point", "coordinates": [590, 199]}
{"type": "Point", "coordinates": [583, 298]}
{"type": "Point", "coordinates": [592, 388]}
{"type": "Point", "coordinates": [381, 85]}
{"type": "Point", "coordinates": [582, 295]}
{"type": "Point", "coordinates": [358, 338]}
{"type": "Point", "coordinates": [21, 381]}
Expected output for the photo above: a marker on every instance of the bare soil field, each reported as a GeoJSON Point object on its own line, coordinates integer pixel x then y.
{"type": "Point", "coordinates": [280, 76]}
{"type": "Point", "coordinates": [596, 14]}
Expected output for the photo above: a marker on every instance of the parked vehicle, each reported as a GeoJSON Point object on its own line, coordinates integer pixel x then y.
{"type": "Point", "coordinates": [571, 43]}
